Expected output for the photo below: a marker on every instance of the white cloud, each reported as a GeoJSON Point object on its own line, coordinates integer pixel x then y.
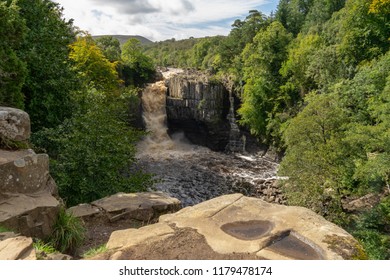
{"type": "Point", "coordinates": [158, 19]}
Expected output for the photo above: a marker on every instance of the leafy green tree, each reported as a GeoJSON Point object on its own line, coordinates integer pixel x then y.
{"type": "Point", "coordinates": [314, 159]}
{"type": "Point", "coordinates": [138, 68]}
{"type": "Point", "coordinates": [367, 98]}
{"type": "Point", "coordinates": [320, 12]}
{"type": "Point", "coordinates": [380, 6]}
{"type": "Point", "coordinates": [302, 15]}
{"type": "Point", "coordinates": [50, 78]}
{"type": "Point", "coordinates": [262, 98]}
{"type": "Point", "coordinates": [12, 68]}
{"type": "Point", "coordinates": [362, 36]}
{"type": "Point", "coordinates": [110, 47]}
{"type": "Point", "coordinates": [93, 68]}
{"type": "Point", "coordinates": [292, 14]}
{"type": "Point", "coordinates": [338, 146]}
{"type": "Point", "coordinates": [241, 34]}
{"type": "Point", "coordinates": [301, 54]}
{"type": "Point", "coordinates": [92, 152]}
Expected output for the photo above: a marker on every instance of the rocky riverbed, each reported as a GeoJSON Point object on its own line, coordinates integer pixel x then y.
{"type": "Point", "coordinates": [199, 174]}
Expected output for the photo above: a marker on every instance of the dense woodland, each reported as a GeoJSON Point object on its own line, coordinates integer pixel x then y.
{"type": "Point", "coordinates": [313, 78]}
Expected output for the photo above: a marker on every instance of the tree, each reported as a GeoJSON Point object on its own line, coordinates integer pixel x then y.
{"type": "Point", "coordinates": [302, 52]}
{"type": "Point", "coordinates": [241, 34]}
{"type": "Point", "coordinates": [363, 36]}
{"type": "Point", "coordinates": [292, 14]}
{"type": "Point", "coordinates": [338, 146]}
{"type": "Point", "coordinates": [12, 68]}
{"type": "Point", "coordinates": [314, 160]}
{"type": "Point", "coordinates": [262, 98]}
{"type": "Point", "coordinates": [320, 12]}
{"type": "Point", "coordinates": [110, 47]}
{"type": "Point", "coordinates": [50, 79]}
{"type": "Point", "coordinates": [138, 68]}
{"type": "Point", "coordinates": [93, 68]}
{"type": "Point", "coordinates": [380, 6]}
{"type": "Point", "coordinates": [92, 152]}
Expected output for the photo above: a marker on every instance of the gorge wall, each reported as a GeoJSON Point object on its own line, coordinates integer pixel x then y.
{"type": "Point", "coordinates": [199, 107]}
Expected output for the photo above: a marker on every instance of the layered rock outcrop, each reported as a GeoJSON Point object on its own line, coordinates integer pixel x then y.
{"type": "Point", "coordinates": [121, 211]}
{"type": "Point", "coordinates": [17, 248]}
{"type": "Point", "coordinates": [28, 203]}
{"type": "Point", "coordinates": [144, 207]}
{"type": "Point", "coordinates": [236, 227]}
{"type": "Point", "coordinates": [199, 107]}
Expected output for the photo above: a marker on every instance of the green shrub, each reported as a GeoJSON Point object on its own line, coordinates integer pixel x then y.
{"type": "Point", "coordinates": [91, 153]}
{"type": "Point", "coordinates": [95, 251]}
{"type": "Point", "coordinates": [4, 229]}
{"type": "Point", "coordinates": [68, 233]}
{"type": "Point", "coordinates": [43, 249]}
{"type": "Point", "coordinates": [372, 229]}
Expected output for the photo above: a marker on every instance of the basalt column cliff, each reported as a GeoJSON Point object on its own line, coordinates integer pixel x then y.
{"type": "Point", "coordinates": [199, 107]}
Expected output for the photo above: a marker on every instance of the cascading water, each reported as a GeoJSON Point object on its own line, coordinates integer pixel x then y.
{"type": "Point", "coordinates": [192, 173]}
{"type": "Point", "coordinates": [155, 117]}
{"type": "Point", "coordinates": [158, 144]}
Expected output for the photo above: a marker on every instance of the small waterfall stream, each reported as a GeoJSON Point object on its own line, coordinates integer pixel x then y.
{"type": "Point", "coordinates": [193, 173]}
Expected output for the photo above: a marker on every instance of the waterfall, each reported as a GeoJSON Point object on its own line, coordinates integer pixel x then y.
{"type": "Point", "coordinates": [236, 142]}
{"type": "Point", "coordinates": [155, 117]}
{"type": "Point", "coordinates": [157, 143]}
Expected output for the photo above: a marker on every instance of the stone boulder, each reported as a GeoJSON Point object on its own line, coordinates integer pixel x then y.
{"type": "Point", "coordinates": [17, 248]}
{"type": "Point", "coordinates": [14, 124]}
{"type": "Point", "coordinates": [133, 206]}
{"type": "Point", "coordinates": [122, 211]}
{"type": "Point", "coordinates": [27, 193]}
{"type": "Point", "coordinates": [236, 227]}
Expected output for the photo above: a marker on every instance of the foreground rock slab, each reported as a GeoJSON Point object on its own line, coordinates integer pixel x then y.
{"type": "Point", "coordinates": [17, 248]}
{"type": "Point", "coordinates": [122, 211]}
{"type": "Point", "coordinates": [236, 227]}
{"type": "Point", "coordinates": [137, 206]}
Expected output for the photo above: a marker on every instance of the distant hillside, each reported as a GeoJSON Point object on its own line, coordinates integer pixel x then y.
{"type": "Point", "coordinates": [123, 38]}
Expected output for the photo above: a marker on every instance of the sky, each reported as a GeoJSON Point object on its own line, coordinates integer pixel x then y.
{"type": "Point", "coordinates": [160, 20]}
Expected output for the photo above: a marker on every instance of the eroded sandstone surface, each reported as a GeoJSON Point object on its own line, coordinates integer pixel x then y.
{"type": "Point", "coordinates": [236, 227]}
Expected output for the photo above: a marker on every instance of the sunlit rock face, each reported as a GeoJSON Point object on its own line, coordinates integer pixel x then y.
{"type": "Point", "coordinates": [236, 227]}
{"type": "Point", "coordinates": [198, 107]}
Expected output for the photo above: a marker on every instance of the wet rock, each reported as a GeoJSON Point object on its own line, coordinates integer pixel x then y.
{"type": "Point", "coordinates": [14, 124]}
{"type": "Point", "coordinates": [231, 225]}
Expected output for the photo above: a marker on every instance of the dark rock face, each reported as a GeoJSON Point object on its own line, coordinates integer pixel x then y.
{"type": "Point", "coordinates": [198, 107]}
